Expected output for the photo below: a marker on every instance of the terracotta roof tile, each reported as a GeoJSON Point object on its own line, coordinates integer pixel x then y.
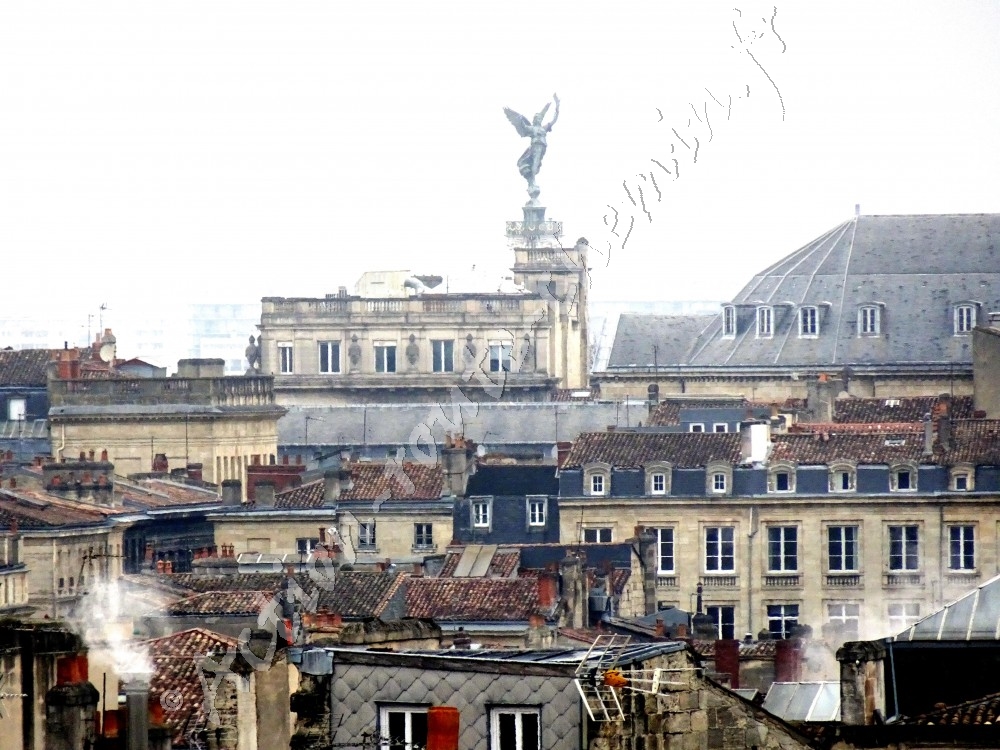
{"type": "Point", "coordinates": [25, 367]}
{"type": "Point", "coordinates": [756, 650]}
{"type": "Point", "coordinates": [974, 441]}
{"type": "Point", "coordinates": [503, 564]}
{"type": "Point", "coordinates": [371, 481]}
{"type": "Point", "coordinates": [843, 428]}
{"type": "Point", "coordinates": [633, 449]}
{"type": "Point", "coordinates": [906, 409]}
{"type": "Point", "coordinates": [472, 599]}
{"type": "Point", "coordinates": [985, 710]}
{"type": "Point", "coordinates": [236, 582]}
{"type": "Point", "coordinates": [864, 448]}
{"type": "Point", "coordinates": [177, 664]}
{"type": "Point", "coordinates": [578, 395]}
{"type": "Point", "coordinates": [231, 603]}
{"type": "Point", "coordinates": [309, 495]}
{"type": "Point", "coordinates": [358, 594]}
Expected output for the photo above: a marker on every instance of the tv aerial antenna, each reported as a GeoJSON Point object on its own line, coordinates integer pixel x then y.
{"type": "Point", "coordinates": [600, 681]}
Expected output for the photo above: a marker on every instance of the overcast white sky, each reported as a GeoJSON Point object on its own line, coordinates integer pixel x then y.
{"type": "Point", "coordinates": [176, 151]}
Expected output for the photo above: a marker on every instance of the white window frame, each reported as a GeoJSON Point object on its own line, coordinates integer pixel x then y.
{"type": "Point", "coordinates": [837, 472]}
{"type": "Point", "coordinates": [869, 320]}
{"type": "Point", "coordinates": [902, 615]}
{"type": "Point", "coordinates": [964, 319]}
{"type": "Point", "coordinates": [442, 361]}
{"type": "Point", "coordinates": [783, 549]}
{"type": "Point", "coordinates": [381, 351]}
{"type": "Point", "coordinates": [765, 322]}
{"type": "Point", "coordinates": [713, 473]}
{"type": "Point", "coordinates": [719, 617]}
{"type": "Point", "coordinates": [720, 427]}
{"type": "Point", "coordinates": [537, 510]}
{"type": "Point", "coordinates": [597, 532]}
{"type": "Point", "coordinates": [696, 427]}
{"type": "Point", "coordinates": [423, 536]}
{"type": "Point", "coordinates": [481, 512]}
{"type": "Point", "coordinates": [896, 473]}
{"type": "Point", "coordinates": [367, 535]}
{"type": "Point", "coordinates": [959, 472]}
{"type": "Point", "coordinates": [966, 536]}
{"type": "Point", "coordinates": [408, 710]}
{"type": "Point", "coordinates": [729, 321]}
{"type": "Point", "coordinates": [658, 483]}
{"type": "Point", "coordinates": [666, 549]}
{"type": "Point", "coordinates": [789, 617]}
{"type": "Point", "coordinates": [897, 535]}
{"type": "Point", "coordinates": [809, 322]}
{"type": "Point", "coordinates": [331, 349]}
{"type": "Point", "coordinates": [17, 408]}
{"type": "Point", "coordinates": [844, 614]}
{"type": "Point", "coordinates": [597, 480]}
{"type": "Point", "coordinates": [715, 552]}
{"type": "Point", "coordinates": [504, 359]}
{"type": "Point", "coordinates": [519, 714]}
{"type": "Point", "coordinates": [286, 357]}
{"type": "Point", "coordinates": [305, 545]}
{"type": "Point", "coordinates": [849, 548]}
{"type": "Point", "coordinates": [658, 478]}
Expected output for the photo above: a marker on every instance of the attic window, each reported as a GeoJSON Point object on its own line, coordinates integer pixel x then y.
{"type": "Point", "coordinates": [808, 322]}
{"type": "Point", "coordinates": [729, 321]}
{"type": "Point", "coordinates": [765, 317]}
{"type": "Point", "coordinates": [869, 321]}
{"type": "Point", "coordinates": [965, 319]}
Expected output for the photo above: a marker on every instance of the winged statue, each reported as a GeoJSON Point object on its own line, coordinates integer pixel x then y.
{"type": "Point", "coordinates": [531, 160]}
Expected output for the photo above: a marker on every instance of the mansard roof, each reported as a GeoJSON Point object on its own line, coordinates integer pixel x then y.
{"type": "Point", "coordinates": [24, 367]}
{"type": "Point", "coordinates": [899, 264]}
{"type": "Point", "coordinates": [632, 450]}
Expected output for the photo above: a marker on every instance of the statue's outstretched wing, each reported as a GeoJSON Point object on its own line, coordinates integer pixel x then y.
{"type": "Point", "coordinates": [519, 121]}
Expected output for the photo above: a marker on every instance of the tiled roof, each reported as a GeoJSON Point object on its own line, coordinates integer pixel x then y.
{"type": "Point", "coordinates": [370, 481]}
{"type": "Point", "coordinates": [668, 412]}
{"type": "Point", "coordinates": [619, 578]}
{"type": "Point", "coordinates": [472, 599]}
{"type": "Point", "coordinates": [974, 441]}
{"type": "Point", "coordinates": [163, 493]}
{"type": "Point", "coordinates": [905, 409]}
{"type": "Point", "coordinates": [574, 394]}
{"type": "Point", "coordinates": [843, 428]}
{"type": "Point", "coordinates": [755, 650]}
{"type": "Point", "coordinates": [177, 664]}
{"type": "Point", "coordinates": [358, 594]}
{"type": "Point", "coordinates": [236, 582]}
{"type": "Point", "coordinates": [985, 710]}
{"type": "Point", "coordinates": [633, 449]}
{"type": "Point", "coordinates": [32, 509]}
{"type": "Point", "coordinates": [864, 448]}
{"type": "Point", "coordinates": [231, 603]}
{"type": "Point", "coordinates": [25, 367]}
{"type": "Point", "coordinates": [502, 565]}
{"type": "Point", "coordinates": [309, 495]}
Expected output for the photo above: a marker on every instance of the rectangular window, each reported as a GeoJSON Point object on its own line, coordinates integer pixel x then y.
{"type": "Point", "coordinates": [696, 427]}
{"type": "Point", "coordinates": [443, 356]}
{"type": "Point", "coordinates": [720, 427]}
{"type": "Point", "coordinates": [868, 321]}
{"type": "Point", "coordinates": [665, 547]}
{"type": "Point", "coordinates": [423, 535]}
{"type": "Point", "coordinates": [385, 356]}
{"type": "Point", "coordinates": [724, 618]}
{"type": "Point", "coordinates": [515, 729]}
{"type": "Point", "coordinates": [904, 548]}
{"type": "Point", "coordinates": [17, 409]}
{"type": "Point", "coordinates": [597, 536]}
{"type": "Point", "coordinates": [842, 480]}
{"type": "Point", "coordinates": [596, 484]}
{"type": "Point", "coordinates": [536, 511]}
{"type": "Point", "coordinates": [500, 356]}
{"type": "Point", "coordinates": [962, 547]}
{"type": "Point", "coordinates": [481, 514]}
{"type": "Point", "coordinates": [782, 549]}
{"type": "Point", "coordinates": [782, 481]}
{"type": "Point", "coordinates": [403, 727]}
{"type": "Point", "coordinates": [305, 546]}
{"type": "Point", "coordinates": [329, 356]}
{"type": "Point", "coordinates": [961, 482]}
{"type": "Point", "coordinates": [286, 362]}
{"type": "Point", "coordinates": [781, 619]}
{"type": "Point", "coordinates": [808, 322]}
{"type": "Point", "coordinates": [902, 615]}
{"type": "Point", "coordinates": [904, 479]}
{"type": "Point", "coordinates": [965, 318]}
{"type": "Point", "coordinates": [846, 617]}
{"type": "Point", "coordinates": [718, 482]}
{"type": "Point", "coordinates": [729, 321]}
{"type": "Point", "coordinates": [720, 549]}
{"type": "Point", "coordinates": [842, 548]}
{"type": "Point", "coordinates": [764, 317]}
{"type": "Point", "coordinates": [366, 535]}
{"type": "Point", "coordinates": [659, 484]}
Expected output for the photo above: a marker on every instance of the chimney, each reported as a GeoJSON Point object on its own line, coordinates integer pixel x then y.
{"type": "Point", "coordinates": [727, 660]}
{"type": "Point", "coordinates": [70, 706]}
{"type": "Point", "coordinates": [137, 711]}
{"type": "Point", "coordinates": [160, 463]}
{"type": "Point", "coordinates": [652, 398]}
{"type": "Point", "coordinates": [443, 723]}
{"type": "Point", "coordinates": [548, 589]}
{"type": "Point", "coordinates": [660, 630]}
{"type": "Point", "coordinates": [755, 438]}
{"type": "Point", "coordinates": [462, 641]}
{"type": "Point", "coordinates": [649, 563]}
{"type": "Point", "coordinates": [928, 435]}
{"type": "Point", "coordinates": [562, 451]}
{"type": "Point", "coordinates": [264, 493]}
{"type": "Point", "coordinates": [787, 660]}
{"type": "Point", "coordinates": [575, 593]}
{"type": "Point", "coordinates": [332, 486]}
{"type": "Point", "coordinates": [944, 420]}
{"type": "Point", "coordinates": [194, 471]}
{"type": "Point", "coordinates": [232, 492]}
{"type": "Point", "coordinates": [862, 681]}
{"type": "Point", "coordinates": [455, 460]}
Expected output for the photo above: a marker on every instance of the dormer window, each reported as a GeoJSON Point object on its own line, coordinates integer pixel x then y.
{"type": "Point", "coordinates": [781, 478]}
{"type": "Point", "coordinates": [765, 318]}
{"type": "Point", "coordinates": [903, 478]}
{"type": "Point", "coordinates": [808, 322]}
{"type": "Point", "coordinates": [843, 478]}
{"type": "Point", "coordinates": [965, 319]}
{"type": "Point", "coordinates": [869, 321]}
{"type": "Point", "coordinates": [729, 321]}
{"type": "Point", "coordinates": [718, 478]}
{"type": "Point", "coordinates": [962, 478]}
{"type": "Point", "coordinates": [597, 480]}
{"type": "Point", "coordinates": [657, 478]}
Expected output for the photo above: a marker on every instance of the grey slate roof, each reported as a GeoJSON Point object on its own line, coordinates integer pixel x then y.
{"type": "Point", "coordinates": [914, 268]}
{"type": "Point", "coordinates": [674, 337]}
{"type": "Point", "coordinates": [973, 617]}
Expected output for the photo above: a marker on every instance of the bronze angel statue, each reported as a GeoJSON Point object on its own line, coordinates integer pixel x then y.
{"type": "Point", "coordinates": [531, 160]}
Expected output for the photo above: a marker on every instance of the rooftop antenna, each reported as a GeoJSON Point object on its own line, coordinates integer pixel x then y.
{"type": "Point", "coordinates": [100, 319]}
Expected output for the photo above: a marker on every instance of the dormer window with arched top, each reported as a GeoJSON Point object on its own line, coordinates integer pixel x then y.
{"type": "Point", "coordinates": [843, 477]}
{"type": "Point", "coordinates": [781, 477]}
{"type": "Point", "coordinates": [718, 478]}
{"type": "Point", "coordinates": [729, 321]}
{"type": "Point", "coordinates": [903, 477]}
{"type": "Point", "coordinates": [869, 320]}
{"type": "Point", "coordinates": [657, 478]}
{"type": "Point", "coordinates": [765, 322]}
{"type": "Point", "coordinates": [965, 319]}
{"type": "Point", "coordinates": [597, 480]}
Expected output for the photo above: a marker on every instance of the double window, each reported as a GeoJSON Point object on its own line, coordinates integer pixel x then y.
{"type": "Point", "coordinates": [481, 513]}
{"type": "Point", "coordinates": [286, 357]}
{"type": "Point", "coordinates": [500, 356]}
{"type": "Point", "coordinates": [595, 536]}
{"type": "Point", "coordinates": [962, 547]}
{"type": "Point", "coordinates": [385, 356]}
{"type": "Point", "coordinates": [718, 478]}
{"type": "Point", "coordinates": [782, 549]}
{"type": "Point", "coordinates": [724, 618]}
{"type": "Point", "coordinates": [869, 321]}
{"type": "Point", "coordinates": [329, 356]}
{"type": "Point", "coordinates": [423, 535]}
{"type": "Point", "coordinates": [782, 619]}
{"type": "Point", "coordinates": [305, 546]}
{"type": "Point", "coordinates": [597, 479]}
{"type": "Point", "coordinates": [665, 550]}
{"type": "Point", "coordinates": [657, 478]}
{"type": "Point", "coordinates": [536, 510]}
{"type": "Point", "coordinates": [965, 319]}
{"type": "Point", "coordinates": [403, 727]}
{"type": "Point", "coordinates": [765, 319]}
{"type": "Point", "coordinates": [808, 322]}
{"type": "Point", "coordinates": [846, 618]}
{"type": "Point", "coordinates": [366, 535]}
{"type": "Point", "coordinates": [842, 548]}
{"type": "Point", "coordinates": [515, 728]}
{"type": "Point", "coordinates": [902, 615]}
{"type": "Point", "coordinates": [443, 356]}
{"type": "Point", "coordinates": [720, 549]}
{"type": "Point", "coordinates": [904, 547]}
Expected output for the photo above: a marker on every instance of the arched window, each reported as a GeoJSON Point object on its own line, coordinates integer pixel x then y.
{"type": "Point", "coordinates": [843, 477]}
{"type": "Point", "coordinates": [597, 479]}
{"type": "Point", "coordinates": [903, 477]}
{"type": "Point", "coordinates": [781, 477]}
{"type": "Point", "coordinates": [718, 478]}
{"type": "Point", "coordinates": [657, 478]}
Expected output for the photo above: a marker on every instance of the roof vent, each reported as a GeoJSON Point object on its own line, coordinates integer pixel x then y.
{"type": "Point", "coordinates": [895, 442]}
{"type": "Point", "coordinates": [892, 402]}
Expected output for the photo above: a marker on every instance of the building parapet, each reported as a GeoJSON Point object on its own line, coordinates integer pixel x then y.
{"type": "Point", "coordinates": [424, 304]}
{"type": "Point", "coordinates": [223, 391]}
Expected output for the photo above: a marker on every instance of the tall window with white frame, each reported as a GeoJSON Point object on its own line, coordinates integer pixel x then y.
{"type": "Point", "coordinates": [868, 321]}
{"type": "Point", "coordinates": [846, 618]}
{"type": "Point", "coordinates": [720, 549]}
{"type": "Point", "coordinates": [765, 318]}
{"type": "Point", "coordinates": [665, 550]}
{"type": "Point", "coordinates": [902, 615]}
{"type": "Point", "coordinates": [403, 727]}
{"type": "Point", "coordinates": [329, 357]}
{"type": "Point", "coordinates": [808, 322]}
{"type": "Point", "coordinates": [286, 359]}
{"type": "Point", "coordinates": [782, 549]}
{"type": "Point", "coordinates": [443, 355]}
{"type": "Point", "coordinates": [842, 549]}
{"type": "Point", "coordinates": [536, 511]}
{"type": "Point", "coordinates": [658, 483]}
{"type": "Point", "coordinates": [904, 547]}
{"type": "Point", "coordinates": [729, 321]}
{"type": "Point", "coordinates": [366, 535]}
{"type": "Point", "coordinates": [962, 547]}
{"type": "Point", "coordinates": [724, 618]}
{"type": "Point", "coordinates": [965, 319]}
{"type": "Point", "coordinates": [598, 484]}
{"type": "Point", "coordinates": [782, 619]}
{"type": "Point", "coordinates": [385, 356]}
{"type": "Point", "coordinates": [481, 514]}
{"type": "Point", "coordinates": [515, 728]}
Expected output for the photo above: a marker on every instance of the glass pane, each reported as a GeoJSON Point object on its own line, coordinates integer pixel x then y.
{"type": "Point", "coordinates": [507, 732]}
{"type": "Point", "coordinates": [529, 732]}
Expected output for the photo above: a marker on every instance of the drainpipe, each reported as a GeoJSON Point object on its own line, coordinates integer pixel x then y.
{"type": "Point", "coordinates": [62, 445]}
{"type": "Point", "coordinates": [751, 533]}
